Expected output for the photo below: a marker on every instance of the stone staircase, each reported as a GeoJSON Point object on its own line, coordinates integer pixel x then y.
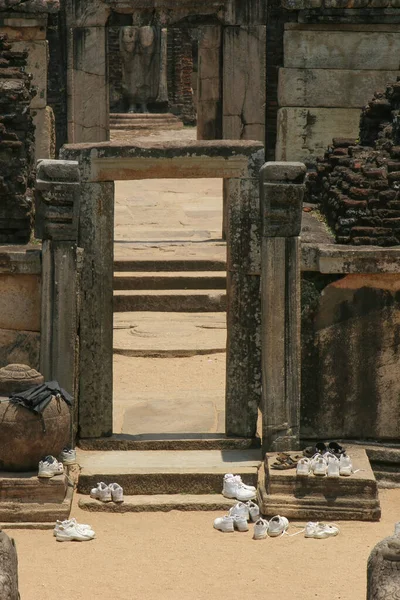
{"type": "Point", "coordinates": [144, 121]}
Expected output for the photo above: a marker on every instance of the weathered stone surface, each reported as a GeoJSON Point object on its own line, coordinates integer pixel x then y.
{"type": "Point", "coordinates": [30, 6]}
{"type": "Point", "coordinates": [304, 133]}
{"type": "Point", "coordinates": [281, 207]}
{"type": "Point", "coordinates": [383, 569]}
{"type": "Point", "coordinates": [36, 65]}
{"type": "Point", "coordinates": [209, 91]}
{"type": "Point", "coordinates": [283, 172]}
{"type": "Point", "coordinates": [18, 378]}
{"type": "Point", "coordinates": [89, 103]}
{"type": "Point", "coordinates": [45, 134]}
{"type": "Point", "coordinates": [26, 437]}
{"type": "Point", "coordinates": [350, 335]}
{"type": "Point", "coordinates": [8, 568]}
{"type": "Point", "coordinates": [19, 347]}
{"type": "Point", "coordinates": [330, 87]}
{"type": "Point", "coordinates": [22, 260]}
{"type": "Point", "coordinates": [20, 302]}
{"type": "Point", "coordinates": [244, 85]}
{"type": "Point", "coordinates": [342, 259]}
{"type": "Point", "coordinates": [28, 487]}
{"type": "Point", "coordinates": [20, 33]}
{"type": "Point", "coordinates": [341, 47]}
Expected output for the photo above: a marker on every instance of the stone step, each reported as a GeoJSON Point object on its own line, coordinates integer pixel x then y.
{"type": "Point", "coordinates": [146, 125]}
{"type": "Point", "coordinates": [160, 503]}
{"type": "Point", "coordinates": [21, 513]}
{"type": "Point", "coordinates": [170, 280]}
{"type": "Point", "coordinates": [147, 116]}
{"type": "Point", "coordinates": [170, 301]}
{"type": "Point", "coordinates": [176, 441]}
{"type": "Point", "coordinates": [167, 265]}
{"type": "Point", "coordinates": [160, 334]}
{"type": "Point", "coordinates": [166, 472]}
{"type": "Point", "coordinates": [29, 488]}
{"type": "Point", "coordinates": [141, 121]}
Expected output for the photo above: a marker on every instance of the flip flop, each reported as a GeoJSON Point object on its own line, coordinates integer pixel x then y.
{"type": "Point", "coordinates": [289, 463]}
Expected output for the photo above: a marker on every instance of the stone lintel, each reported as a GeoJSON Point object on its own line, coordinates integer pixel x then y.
{"type": "Point", "coordinates": [108, 161]}
{"type": "Point", "coordinates": [20, 260]}
{"type": "Point", "coordinates": [337, 258]}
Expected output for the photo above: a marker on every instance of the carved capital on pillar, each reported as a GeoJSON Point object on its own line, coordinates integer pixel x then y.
{"type": "Point", "coordinates": [57, 200]}
{"type": "Point", "coordinates": [282, 192]}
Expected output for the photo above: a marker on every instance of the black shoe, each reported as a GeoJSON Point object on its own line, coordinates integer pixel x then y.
{"type": "Point", "coordinates": [336, 449]}
{"type": "Point", "coordinates": [319, 448]}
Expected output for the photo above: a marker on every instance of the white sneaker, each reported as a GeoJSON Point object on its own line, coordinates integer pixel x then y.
{"type": "Point", "coordinates": [303, 467]}
{"type": "Point", "coordinates": [235, 489]}
{"type": "Point", "coordinates": [63, 524]}
{"type": "Point", "coordinates": [117, 493]}
{"type": "Point", "coordinates": [320, 466]}
{"type": "Point", "coordinates": [239, 480]}
{"type": "Point", "coordinates": [345, 465]}
{"type": "Point", "coordinates": [333, 465]}
{"type": "Point", "coordinates": [73, 532]}
{"type": "Point", "coordinates": [224, 524]}
{"type": "Point", "coordinates": [240, 523]}
{"type": "Point", "coordinates": [68, 456]}
{"type": "Point", "coordinates": [277, 526]}
{"type": "Point", "coordinates": [49, 466]}
{"type": "Point", "coordinates": [101, 492]}
{"type": "Point", "coordinates": [240, 510]}
{"type": "Point", "coordinates": [320, 530]}
{"type": "Point", "coordinates": [254, 510]}
{"type": "Point", "coordinates": [260, 529]}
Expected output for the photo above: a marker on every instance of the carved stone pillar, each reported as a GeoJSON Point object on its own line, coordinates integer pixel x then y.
{"type": "Point", "coordinates": [57, 199]}
{"type": "Point", "coordinates": [282, 190]}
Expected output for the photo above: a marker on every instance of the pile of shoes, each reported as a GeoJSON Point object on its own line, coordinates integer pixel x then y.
{"type": "Point", "coordinates": [233, 487]}
{"type": "Point", "coordinates": [49, 466]}
{"type": "Point", "coordinates": [278, 526]}
{"type": "Point", "coordinates": [238, 517]}
{"type": "Point", "coordinates": [107, 493]}
{"type": "Point", "coordinates": [325, 461]}
{"type": "Point", "coordinates": [72, 531]}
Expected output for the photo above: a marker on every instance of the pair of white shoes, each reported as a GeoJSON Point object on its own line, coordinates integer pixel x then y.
{"type": "Point", "coordinates": [70, 530]}
{"type": "Point", "coordinates": [325, 465]}
{"type": "Point", "coordinates": [238, 517]}
{"type": "Point", "coordinates": [233, 487]}
{"type": "Point", "coordinates": [274, 528]}
{"type": "Point", "coordinates": [320, 530]}
{"type": "Point", "coordinates": [107, 493]}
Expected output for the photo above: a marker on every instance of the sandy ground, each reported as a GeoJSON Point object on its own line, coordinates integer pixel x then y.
{"type": "Point", "coordinates": [179, 556]}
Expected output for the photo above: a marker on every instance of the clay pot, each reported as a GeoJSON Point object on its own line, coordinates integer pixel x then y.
{"type": "Point", "coordinates": [25, 437]}
{"type": "Point", "coordinates": [18, 378]}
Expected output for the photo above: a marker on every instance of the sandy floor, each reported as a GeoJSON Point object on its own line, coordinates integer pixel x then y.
{"type": "Point", "coordinates": [179, 556]}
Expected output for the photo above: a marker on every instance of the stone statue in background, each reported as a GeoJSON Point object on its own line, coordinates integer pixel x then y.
{"type": "Point", "coordinates": [8, 568]}
{"type": "Point", "coordinates": [383, 571]}
{"type": "Point", "coordinates": [141, 55]}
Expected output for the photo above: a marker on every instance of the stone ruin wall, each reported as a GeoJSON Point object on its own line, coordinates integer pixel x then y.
{"type": "Point", "coordinates": [16, 146]}
{"type": "Point", "coordinates": [357, 183]}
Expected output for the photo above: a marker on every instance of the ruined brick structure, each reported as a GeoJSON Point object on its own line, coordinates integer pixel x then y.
{"type": "Point", "coordinates": [179, 72]}
{"type": "Point", "coordinates": [358, 184]}
{"type": "Point", "coordinates": [16, 146]}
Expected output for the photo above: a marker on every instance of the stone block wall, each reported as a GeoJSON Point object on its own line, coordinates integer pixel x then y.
{"type": "Point", "coordinates": [179, 74]}
{"type": "Point", "coordinates": [330, 70]}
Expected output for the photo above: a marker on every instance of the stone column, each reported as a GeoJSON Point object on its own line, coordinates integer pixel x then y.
{"type": "Point", "coordinates": [209, 99]}
{"type": "Point", "coordinates": [282, 190]}
{"type": "Point", "coordinates": [88, 97]}
{"type": "Point", "coordinates": [57, 208]}
{"type": "Point", "coordinates": [243, 350]}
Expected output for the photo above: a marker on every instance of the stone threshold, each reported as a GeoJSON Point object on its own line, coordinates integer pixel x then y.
{"type": "Point", "coordinates": [159, 503]}
{"type": "Point", "coordinates": [169, 442]}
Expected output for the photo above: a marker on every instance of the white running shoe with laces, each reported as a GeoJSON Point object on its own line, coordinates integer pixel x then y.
{"type": "Point", "coordinates": [277, 526]}
{"type": "Point", "coordinates": [254, 510]}
{"type": "Point", "coordinates": [73, 532]}
{"type": "Point", "coordinates": [68, 456]}
{"type": "Point", "coordinates": [345, 465]}
{"type": "Point", "coordinates": [333, 465]}
{"type": "Point", "coordinates": [320, 530]}
{"type": "Point", "coordinates": [101, 492]}
{"type": "Point", "coordinates": [303, 468]}
{"type": "Point", "coordinates": [224, 524]}
{"type": "Point", "coordinates": [319, 466]}
{"type": "Point", "coordinates": [260, 529]}
{"type": "Point", "coordinates": [239, 480]}
{"type": "Point", "coordinates": [49, 467]}
{"type": "Point", "coordinates": [64, 524]}
{"type": "Point", "coordinates": [240, 510]}
{"type": "Point", "coordinates": [235, 489]}
{"type": "Point", "coordinates": [240, 523]}
{"type": "Point", "coordinates": [117, 493]}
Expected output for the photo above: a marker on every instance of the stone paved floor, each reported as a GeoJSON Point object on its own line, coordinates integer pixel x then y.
{"type": "Point", "coordinates": [174, 219]}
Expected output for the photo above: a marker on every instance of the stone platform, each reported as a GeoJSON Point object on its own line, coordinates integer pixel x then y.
{"type": "Point", "coordinates": [314, 498]}
{"type": "Point", "coordinates": [26, 498]}
{"type": "Point", "coordinates": [147, 121]}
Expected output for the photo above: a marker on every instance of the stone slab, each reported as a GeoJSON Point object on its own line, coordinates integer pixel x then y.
{"type": "Point", "coordinates": [160, 503]}
{"type": "Point", "coordinates": [331, 87]}
{"type": "Point", "coordinates": [28, 487]}
{"type": "Point", "coordinates": [177, 441]}
{"type": "Point", "coordinates": [19, 347]}
{"type": "Point", "coordinates": [23, 260]}
{"type": "Point", "coordinates": [319, 498]}
{"type": "Point", "coordinates": [312, 48]}
{"type": "Point", "coordinates": [170, 300]}
{"type": "Point", "coordinates": [172, 335]}
{"type": "Point", "coordinates": [17, 515]}
{"type": "Point", "coordinates": [37, 62]}
{"type": "Point", "coordinates": [24, 34]}
{"type": "Point", "coordinates": [45, 134]}
{"type": "Point", "coordinates": [337, 258]}
{"type": "Point", "coordinates": [20, 302]}
{"type": "Point", "coordinates": [166, 472]}
{"type": "Point", "coordinates": [305, 133]}
{"type": "Point", "coordinates": [169, 280]}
